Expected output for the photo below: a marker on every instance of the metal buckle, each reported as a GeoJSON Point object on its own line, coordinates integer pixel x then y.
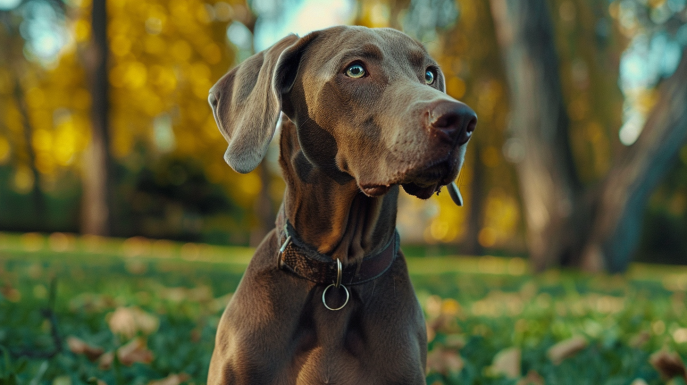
{"type": "Point", "coordinates": [280, 262]}
{"type": "Point", "coordinates": [337, 284]}
{"type": "Point", "coordinates": [286, 243]}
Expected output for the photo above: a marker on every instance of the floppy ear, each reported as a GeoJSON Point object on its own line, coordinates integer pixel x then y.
{"type": "Point", "coordinates": [246, 102]}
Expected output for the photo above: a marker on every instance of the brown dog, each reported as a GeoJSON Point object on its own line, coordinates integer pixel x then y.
{"type": "Point", "coordinates": [327, 299]}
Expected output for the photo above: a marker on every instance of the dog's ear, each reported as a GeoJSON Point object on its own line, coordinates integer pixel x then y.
{"type": "Point", "coordinates": [246, 102]}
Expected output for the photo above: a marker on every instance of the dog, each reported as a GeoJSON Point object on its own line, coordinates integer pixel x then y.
{"type": "Point", "coordinates": [327, 299]}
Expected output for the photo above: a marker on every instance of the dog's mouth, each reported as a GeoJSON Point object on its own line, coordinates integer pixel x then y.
{"type": "Point", "coordinates": [426, 182]}
{"type": "Point", "coordinates": [420, 182]}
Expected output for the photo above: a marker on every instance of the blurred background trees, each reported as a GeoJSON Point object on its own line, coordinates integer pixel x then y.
{"type": "Point", "coordinates": [580, 159]}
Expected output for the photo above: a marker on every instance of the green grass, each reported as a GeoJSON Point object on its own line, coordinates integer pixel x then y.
{"type": "Point", "coordinates": [475, 308]}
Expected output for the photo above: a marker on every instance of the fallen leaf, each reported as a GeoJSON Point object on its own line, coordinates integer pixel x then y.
{"type": "Point", "coordinates": [135, 351]}
{"type": "Point", "coordinates": [79, 346]}
{"type": "Point", "coordinates": [680, 335]}
{"type": "Point", "coordinates": [532, 378]}
{"type": "Point", "coordinates": [127, 321]}
{"type": "Point", "coordinates": [172, 379]}
{"type": "Point", "coordinates": [105, 360]}
{"type": "Point", "coordinates": [668, 364]}
{"type": "Point", "coordinates": [444, 361]}
{"type": "Point", "coordinates": [640, 339]}
{"type": "Point", "coordinates": [132, 352]}
{"type": "Point", "coordinates": [639, 381]}
{"type": "Point", "coordinates": [444, 323]}
{"type": "Point", "coordinates": [566, 349]}
{"type": "Point", "coordinates": [10, 293]}
{"type": "Point", "coordinates": [62, 380]}
{"type": "Point", "coordinates": [507, 363]}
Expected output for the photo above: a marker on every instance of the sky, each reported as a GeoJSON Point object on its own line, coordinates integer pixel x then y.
{"type": "Point", "coordinates": [309, 15]}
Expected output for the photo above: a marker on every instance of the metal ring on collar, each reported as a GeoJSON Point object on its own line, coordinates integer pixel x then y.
{"type": "Point", "coordinates": [324, 301]}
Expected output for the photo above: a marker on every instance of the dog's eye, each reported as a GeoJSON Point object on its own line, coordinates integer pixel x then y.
{"type": "Point", "coordinates": [429, 77]}
{"type": "Point", "coordinates": [355, 71]}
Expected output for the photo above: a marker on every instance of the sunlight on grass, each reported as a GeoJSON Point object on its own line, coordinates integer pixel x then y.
{"type": "Point", "coordinates": [135, 311]}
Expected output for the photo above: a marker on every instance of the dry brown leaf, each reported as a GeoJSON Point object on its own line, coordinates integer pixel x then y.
{"type": "Point", "coordinates": [132, 352]}
{"type": "Point", "coordinates": [12, 294]}
{"type": "Point", "coordinates": [640, 339]}
{"type": "Point", "coordinates": [444, 361]}
{"type": "Point", "coordinates": [507, 363]}
{"type": "Point", "coordinates": [566, 349]}
{"type": "Point", "coordinates": [172, 379]}
{"type": "Point", "coordinates": [668, 364]}
{"type": "Point", "coordinates": [79, 346]}
{"type": "Point", "coordinates": [532, 378]}
{"type": "Point", "coordinates": [105, 360]}
{"type": "Point", "coordinates": [127, 321]}
{"type": "Point", "coordinates": [135, 351]}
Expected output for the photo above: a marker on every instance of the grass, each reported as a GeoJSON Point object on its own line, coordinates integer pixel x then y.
{"type": "Point", "coordinates": [489, 321]}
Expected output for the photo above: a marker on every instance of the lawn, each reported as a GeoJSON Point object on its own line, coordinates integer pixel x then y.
{"type": "Point", "coordinates": [77, 310]}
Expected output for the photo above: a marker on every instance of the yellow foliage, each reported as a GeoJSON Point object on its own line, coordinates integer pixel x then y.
{"type": "Point", "coordinates": [490, 156]}
{"type": "Point", "coordinates": [81, 99]}
{"type": "Point", "coordinates": [374, 14]}
{"type": "Point", "coordinates": [120, 45]}
{"type": "Point", "coordinates": [35, 97]}
{"type": "Point", "coordinates": [501, 218]}
{"type": "Point", "coordinates": [4, 150]}
{"type": "Point", "coordinates": [13, 119]}
{"type": "Point", "coordinates": [23, 179]}
{"type": "Point", "coordinates": [82, 31]}
{"type": "Point", "coordinates": [449, 224]}
{"type": "Point", "coordinates": [45, 163]}
{"type": "Point", "coordinates": [455, 87]}
{"type": "Point", "coordinates": [487, 237]}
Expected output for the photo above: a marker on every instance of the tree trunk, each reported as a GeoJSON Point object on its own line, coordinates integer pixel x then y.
{"type": "Point", "coordinates": [39, 208]}
{"type": "Point", "coordinates": [96, 212]}
{"type": "Point", "coordinates": [594, 229]}
{"type": "Point", "coordinates": [623, 196]}
{"type": "Point", "coordinates": [549, 185]}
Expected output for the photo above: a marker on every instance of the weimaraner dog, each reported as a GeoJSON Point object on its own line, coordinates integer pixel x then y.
{"type": "Point", "coordinates": [327, 298]}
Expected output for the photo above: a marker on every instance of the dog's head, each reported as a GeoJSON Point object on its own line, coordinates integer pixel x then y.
{"type": "Point", "coordinates": [368, 103]}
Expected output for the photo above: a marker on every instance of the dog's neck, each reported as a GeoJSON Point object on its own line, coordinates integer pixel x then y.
{"type": "Point", "coordinates": [330, 213]}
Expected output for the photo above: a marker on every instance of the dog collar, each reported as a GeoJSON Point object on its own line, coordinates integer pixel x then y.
{"type": "Point", "coordinates": [306, 262]}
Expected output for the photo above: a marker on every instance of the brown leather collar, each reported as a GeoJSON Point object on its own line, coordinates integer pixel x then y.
{"type": "Point", "coordinates": [306, 262]}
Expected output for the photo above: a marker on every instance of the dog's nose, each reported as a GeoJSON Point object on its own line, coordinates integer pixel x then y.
{"type": "Point", "coordinates": [454, 120]}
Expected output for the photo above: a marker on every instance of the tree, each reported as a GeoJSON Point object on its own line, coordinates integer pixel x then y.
{"type": "Point", "coordinates": [621, 199]}
{"type": "Point", "coordinates": [593, 227]}
{"type": "Point", "coordinates": [96, 207]}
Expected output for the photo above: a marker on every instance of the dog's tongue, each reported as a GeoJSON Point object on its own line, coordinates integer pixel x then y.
{"type": "Point", "coordinates": [420, 192]}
